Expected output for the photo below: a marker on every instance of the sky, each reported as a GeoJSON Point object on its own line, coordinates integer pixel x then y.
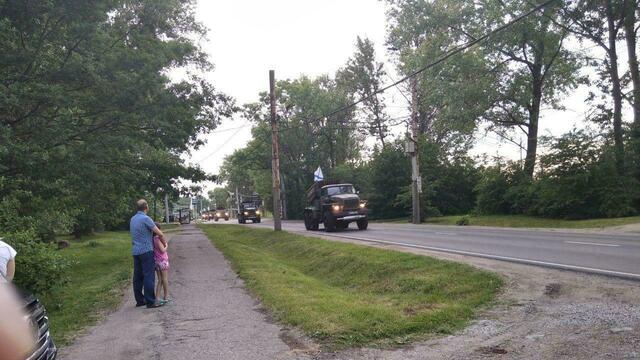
{"type": "Point", "coordinates": [247, 38]}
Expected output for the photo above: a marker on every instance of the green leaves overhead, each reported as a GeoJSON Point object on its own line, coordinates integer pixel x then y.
{"type": "Point", "coordinates": [89, 116]}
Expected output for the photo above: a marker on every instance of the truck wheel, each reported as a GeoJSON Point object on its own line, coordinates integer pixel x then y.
{"type": "Point", "coordinates": [342, 225]}
{"type": "Point", "coordinates": [308, 221]}
{"type": "Point", "coordinates": [226, 219]}
{"type": "Point", "coordinates": [363, 224]}
{"type": "Point", "coordinates": [215, 219]}
{"type": "Point", "coordinates": [259, 220]}
{"type": "Point", "coordinates": [329, 222]}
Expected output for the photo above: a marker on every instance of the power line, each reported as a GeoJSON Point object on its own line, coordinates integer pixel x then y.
{"type": "Point", "coordinates": [445, 56]}
{"type": "Point", "coordinates": [353, 125]}
{"type": "Point", "coordinates": [223, 144]}
{"type": "Point", "coordinates": [229, 129]}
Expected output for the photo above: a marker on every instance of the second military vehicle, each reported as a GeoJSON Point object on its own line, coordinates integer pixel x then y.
{"type": "Point", "coordinates": [221, 214]}
{"type": "Point", "coordinates": [249, 209]}
{"type": "Point", "coordinates": [334, 205]}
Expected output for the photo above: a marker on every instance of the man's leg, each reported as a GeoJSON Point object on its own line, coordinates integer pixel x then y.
{"type": "Point", "coordinates": [138, 280]}
{"type": "Point", "coordinates": [149, 271]}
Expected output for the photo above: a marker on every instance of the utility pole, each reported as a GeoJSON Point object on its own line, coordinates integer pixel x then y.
{"type": "Point", "coordinates": [275, 149]}
{"type": "Point", "coordinates": [416, 179]}
{"type": "Point", "coordinates": [166, 207]}
{"type": "Point", "coordinates": [237, 203]}
{"type": "Point", "coordinates": [284, 199]}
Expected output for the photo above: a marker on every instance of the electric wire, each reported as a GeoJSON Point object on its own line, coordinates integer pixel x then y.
{"type": "Point", "coordinates": [223, 144]}
{"type": "Point", "coordinates": [444, 57]}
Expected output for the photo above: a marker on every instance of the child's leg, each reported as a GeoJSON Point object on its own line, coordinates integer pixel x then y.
{"type": "Point", "coordinates": [159, 286]}
{"type": "Point", "coordinates": [165, 283]}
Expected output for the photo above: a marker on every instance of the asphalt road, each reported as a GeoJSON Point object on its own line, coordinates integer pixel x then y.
{"type": "Point", "coordinates": [605, 253]}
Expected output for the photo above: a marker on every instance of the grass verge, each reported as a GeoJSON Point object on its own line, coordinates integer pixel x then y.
{"type": "Point", "coordinates": [522, 221]}
{"type": "Point", "coordinates": [348, 295]}
{"type": "Point", "coordinates": [101, 266]}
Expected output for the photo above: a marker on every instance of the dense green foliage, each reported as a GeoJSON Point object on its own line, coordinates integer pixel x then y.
{"type": "Point", "coordinates": [501, 86]}
{"type": "Point", "coordinates": [90, 119]}
{"type": "Point", "coordinates": [578, 180]}
{"type": "Point", "coordinates": [344, 294]}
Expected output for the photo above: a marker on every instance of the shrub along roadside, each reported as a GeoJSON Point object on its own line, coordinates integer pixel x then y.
{"type": "Point", "coordinates": [346, 295]}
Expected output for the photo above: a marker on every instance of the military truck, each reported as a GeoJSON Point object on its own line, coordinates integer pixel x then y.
{"type": "Point", "coordinates": [249, 209]}
{"type": "Point", "coordinates": [336, 205]}
{"type": "Point", "coordinates": [221, 213]}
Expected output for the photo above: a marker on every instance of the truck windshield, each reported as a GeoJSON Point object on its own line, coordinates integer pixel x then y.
{"type": "Point", "coordinates": [342, 189]}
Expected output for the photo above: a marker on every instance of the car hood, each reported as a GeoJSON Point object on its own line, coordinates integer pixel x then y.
{"type": "Point", "coordinates": [344, 197]}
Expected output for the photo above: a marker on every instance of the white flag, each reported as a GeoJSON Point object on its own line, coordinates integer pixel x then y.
{"type": "Point", "coordinates": [317, 176]}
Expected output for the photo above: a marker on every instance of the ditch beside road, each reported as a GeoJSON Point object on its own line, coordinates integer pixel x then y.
{"type": "Point", "coordinates": [610, 252]}
{"type": "Point", "coordinates": [543, 313]}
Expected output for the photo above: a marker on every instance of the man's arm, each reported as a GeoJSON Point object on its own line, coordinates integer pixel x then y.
{"type": "Point", "coordinates": [11, 269]}
{"type": "Point", "coordinates": [158, 232]}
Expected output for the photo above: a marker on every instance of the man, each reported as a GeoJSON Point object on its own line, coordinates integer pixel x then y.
{"type": "Point", "coordinates": [142, 229]}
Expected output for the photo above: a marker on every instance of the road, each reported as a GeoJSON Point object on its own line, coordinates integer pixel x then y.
{"type": "Point", "coordinates": [605, 253]}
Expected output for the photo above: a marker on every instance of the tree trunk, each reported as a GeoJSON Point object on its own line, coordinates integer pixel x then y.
{"type": "Point", "coordinates": [616, 91]}
{"type": "Point", "coordinates": [534, 118]}
{"type": "Point", "coordinates": [381, 133]}
{"type": "Point", "coordinates": [630, 35]}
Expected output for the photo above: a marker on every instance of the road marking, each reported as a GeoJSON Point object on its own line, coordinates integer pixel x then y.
{"type": "Point", "coordinates": [590, 243]}
{"type": "Point", "coordinates": [620, 274]}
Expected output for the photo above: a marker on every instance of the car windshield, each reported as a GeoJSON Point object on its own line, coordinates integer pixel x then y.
{"type": "Point", "coordinates": [342, 189]}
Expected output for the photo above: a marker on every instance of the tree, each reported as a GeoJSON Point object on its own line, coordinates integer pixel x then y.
{"type": "Point", "coordinates": [600, 22]}
{"type": "Point", "coordinates": [89, 120]}
{"type": "Point", "coordinates": [363, 76]}
{"type": "Point", "coordinates": [219, 197]}
{"type": "Point", "coordinates": [631, 35]}
{"type": "Point", "coordinates": [452, 96]}
{"type": "Point", "coordinates": [535, 68]}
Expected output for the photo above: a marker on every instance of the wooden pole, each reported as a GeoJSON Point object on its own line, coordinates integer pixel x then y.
{"type": "Point", "coordinates": [275, 149]}
{"type": "Point", "coordinates": [416, 183]}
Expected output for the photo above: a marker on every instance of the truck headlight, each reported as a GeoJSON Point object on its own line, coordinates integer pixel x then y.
{"type": "Point", "coordinates": [258, 212]}
{"type": "Point", "coordinates": [226, 214]}
{"type": "Point", "coordinates": [336, 207]}
{"type": "Point", "coordinates": [246, 213]}
{"type": "Point", "coordinates": [363, 205]}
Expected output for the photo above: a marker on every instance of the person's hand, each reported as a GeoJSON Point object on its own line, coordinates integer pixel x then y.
{"type": "Point", "coordinates": [16, 339]}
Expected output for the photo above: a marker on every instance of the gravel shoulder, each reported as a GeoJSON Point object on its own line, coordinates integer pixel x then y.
{"type": "Point", "coordinates": [542, 314]}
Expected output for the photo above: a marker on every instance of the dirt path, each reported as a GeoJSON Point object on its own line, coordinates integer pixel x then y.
{"type": "Point", "coordinates": [211, 317]}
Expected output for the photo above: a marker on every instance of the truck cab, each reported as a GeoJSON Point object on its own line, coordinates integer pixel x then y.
{"type": "Point", "coordinates": [250, 208]}
{"type": "Point", "coordinates": [336, 206]}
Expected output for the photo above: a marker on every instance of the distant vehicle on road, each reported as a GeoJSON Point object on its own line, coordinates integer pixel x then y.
{"type": "Point", "coordinates": [45, 348]}
{"type": "Point", "coordinates": [250, 209]}
{"type": "Point", "coordinates": [334, 205]}
{"type": "Point", "coordinates": [221, 214]}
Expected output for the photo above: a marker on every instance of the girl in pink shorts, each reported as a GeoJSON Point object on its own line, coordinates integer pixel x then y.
{"type": "Point", "coordinates": [161, 256]}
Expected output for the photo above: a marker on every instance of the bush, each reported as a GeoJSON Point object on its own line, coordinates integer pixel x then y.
{"type": "Point", "coordinates": [463, 221]}
{"type": "Point", "coordinates": [578, 180]}
{"type": "Point", "coordinates": [39, 267]}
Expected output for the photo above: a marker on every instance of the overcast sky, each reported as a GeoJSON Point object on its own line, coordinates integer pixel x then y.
{"type": "Point", "coordinates": [247, 38]}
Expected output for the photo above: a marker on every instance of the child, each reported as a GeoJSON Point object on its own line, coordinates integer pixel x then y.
{"type": "Point", "coordinates": [161, 257]}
